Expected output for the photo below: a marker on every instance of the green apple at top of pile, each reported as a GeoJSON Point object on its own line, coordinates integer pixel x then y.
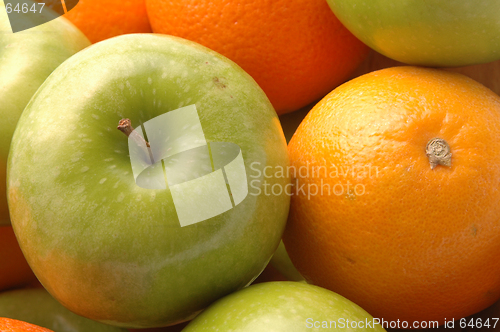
{"type": "Point", "coordinates": [438, 33]}
{"type": "Point", "coordinates": [107, 248]}
{"type": "Point", "coordinates": [26, 59]}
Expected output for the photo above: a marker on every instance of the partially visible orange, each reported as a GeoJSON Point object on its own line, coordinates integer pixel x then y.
{"type": "Point", "coordinates": [100, 20]}
{"type": "Point", "coordinates": [13, 325]}
{"type": "Point", "coordinates": [396, 237]}
{"type": "Point", "coordinates": [297, 51]}
{"type": "Point", "coordinates": [15, 271]}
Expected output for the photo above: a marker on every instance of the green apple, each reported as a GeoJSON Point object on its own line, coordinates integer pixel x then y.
{"type": "Point", "coordinates": [439, 33]}
{"type": "Point", "coordinates": [36, 306]}
{"type": "Point", "coordinates": [109, 249]}
{"type": "Point", "coordinates": [283, 306]}
{"type": "Point", "coordinates": [26, 59]}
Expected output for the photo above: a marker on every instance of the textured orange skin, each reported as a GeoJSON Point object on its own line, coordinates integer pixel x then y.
{"type": "Point", "coordinates": [13, 325]}
{"type": "Point", "coordinates": [15, 271]}
{"type": "Point", "coordinates": [297, 51]}
{"type": "Point", "coordinates": [419, 244]}
{"type": "Point", "coordinates": [100, 20]}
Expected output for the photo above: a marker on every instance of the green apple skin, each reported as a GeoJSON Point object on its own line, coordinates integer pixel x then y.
{"type": "Point", "coordinates": [438, 33]}
{"type": "Point", "coordinates": [36, 306]}
{"type": "Point", "coordinates": [101, 245]}
{"type": "Point", "coordinates": [26, 59]}
{"type": "Point", "coordinates": [282, 306]}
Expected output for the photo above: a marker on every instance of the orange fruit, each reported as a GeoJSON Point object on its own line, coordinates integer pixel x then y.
{"type": "Point", "coordinates": [372, 221]}
{"type": "Point", "coordinates": [15, 271]}
{"type": "Point", "coordinates": [13, 325]}
{"type": "Point", "coordinates": [297, 51]}
{"type": "Point", "coordinates": [100, 20]}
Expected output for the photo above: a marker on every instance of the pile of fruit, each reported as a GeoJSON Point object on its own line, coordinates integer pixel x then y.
{"type": "Point", "coordinates": [249, 165]}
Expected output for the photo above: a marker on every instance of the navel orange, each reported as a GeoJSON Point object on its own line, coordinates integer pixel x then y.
{"type": "Point", "coordinates": [405, 230]}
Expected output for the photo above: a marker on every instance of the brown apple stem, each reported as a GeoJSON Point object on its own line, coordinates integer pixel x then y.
{"type": "Point", "coordinates": [125, 126]}
{"type": "Point", "coordinates": [439, 153]}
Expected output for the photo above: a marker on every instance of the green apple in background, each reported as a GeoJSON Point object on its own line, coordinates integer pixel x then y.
{"type": "Point", "coordinates": [26, 59]}
{"type": "Point", "coordinates": [439, 33]}
{"type": "Point", "coordinates": [109, 249]}
{"type": "Point", "coordinates": [283, 306]}
{"type": "Point", "coordinates": [36, 306]}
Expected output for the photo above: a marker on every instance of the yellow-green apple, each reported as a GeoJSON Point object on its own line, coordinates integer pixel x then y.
{"type": "Point", "coordinates": [111, 243]}
{"type": "Point", "coordinates": [438, 33]}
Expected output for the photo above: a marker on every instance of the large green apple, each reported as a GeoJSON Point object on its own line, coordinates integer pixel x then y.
{"type": "Point", "coordinates": [440, 33]}
{"type": "Point", "coordinates": [26, 59]}
{"type": "Point", "coordinates": [107, 248]}
{"type": "Point", "coordinates": [36, 306]}
{"type": "Point", "coordinates": [283, 306]}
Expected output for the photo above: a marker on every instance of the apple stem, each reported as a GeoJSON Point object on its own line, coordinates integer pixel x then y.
{"type": "Point", "coordinates": [439, 153]}
{"type": "Point", "coordinates": [125, 126]}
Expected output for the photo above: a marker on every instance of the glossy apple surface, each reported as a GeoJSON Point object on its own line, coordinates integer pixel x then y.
{"type": "Point", "coordinates": [26, 59]}
{"type": "Point", "coordinates": [108, 249]}
{"type": "Point", "coordinates": [36, 306]}
{"type": "Point", "coordinates": [438, 33]}
{"type": "Point", "coordinates": [284, 306]}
